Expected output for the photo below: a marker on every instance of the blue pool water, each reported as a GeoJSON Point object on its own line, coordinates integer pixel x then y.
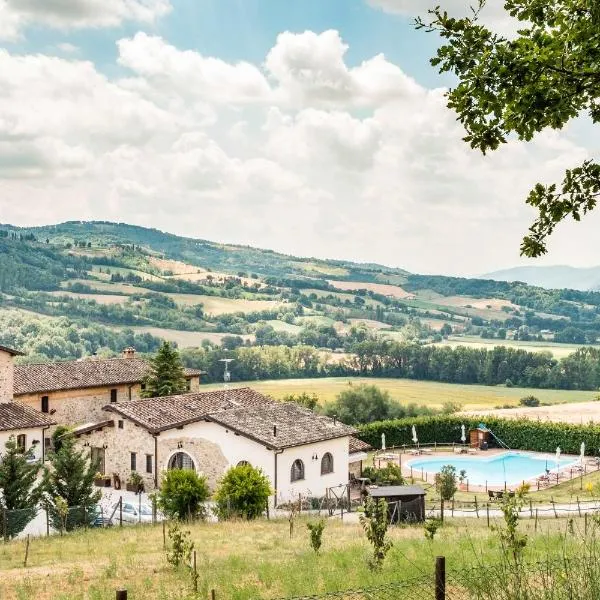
{"type": "Point", "coordinates": [509, 467]}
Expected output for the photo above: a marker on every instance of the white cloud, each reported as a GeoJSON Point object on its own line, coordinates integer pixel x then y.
{"type": "Point", "coordinates": [305, 154]}
{"type": "Point", "coordinates": [67, 48]}
{"type": "Point", "coordinates": [16, 15]}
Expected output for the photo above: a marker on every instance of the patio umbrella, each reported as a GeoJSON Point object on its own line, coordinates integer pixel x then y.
{"type": "Point", "coordinates": [463, 435]}
{"type": "Point", "coordinates": [582, 452]}
{"type": "Point", "coordinates": [558, 457]}
{"type": "Point", "coordinates": [415, 439]}
{"type": "Point", "coordinates": [383, 441]}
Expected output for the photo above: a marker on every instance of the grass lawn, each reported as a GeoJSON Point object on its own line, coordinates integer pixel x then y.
{"type": "Point", "coordinates": [407, 391]}
{"type": "Point", "coordinates": [243, 560]}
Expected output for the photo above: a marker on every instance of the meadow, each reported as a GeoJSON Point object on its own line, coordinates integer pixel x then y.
{"type": "Point", "coordinates": [407, 391]}
{"type": "Point", "coordinates": [243, 560]}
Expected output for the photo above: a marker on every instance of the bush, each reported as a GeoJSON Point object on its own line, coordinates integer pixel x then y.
{"type": "Point", "coordinates": [316, 534]}
{"type": "Point", "coordinates": [182, 494]}
{"type": "Point", "coordinates": [390, 475]}
{"type": "Point", "coordinates": [243, 492]}
{"type": "Point", "coordinates": [529, 401]}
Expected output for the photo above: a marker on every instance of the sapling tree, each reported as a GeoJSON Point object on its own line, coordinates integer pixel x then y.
{"type": "Point", "coordinates": [181, 545]}
{"type": "Point", "coordinates": [375, 522]}
{"type": "Point", "coordinates": [316, 534]}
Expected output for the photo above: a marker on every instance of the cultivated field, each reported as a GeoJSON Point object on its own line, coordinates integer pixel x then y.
{"type": "Point", "coordinates": [243, 561]}
{"type": "Point", "coordinates": [557, 350]}
{"type": "Point", "coordinates": [186, 339]}
{"type": "Point", "coordinates": [586, 412]}
{"type": "Point", "coordinates": [407, 391]}
{"type": "Point", "coordinates": [380, 288]}
{"type": "Point", "coordinates": [99, 298]}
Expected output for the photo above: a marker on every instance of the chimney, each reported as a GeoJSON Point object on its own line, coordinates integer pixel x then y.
{"type": "Point", "coordinates": [274, 430]}
{"type": "Point", "coordinates": [7, 373]}
{"type": "Point", "coordinates": [129, 352]}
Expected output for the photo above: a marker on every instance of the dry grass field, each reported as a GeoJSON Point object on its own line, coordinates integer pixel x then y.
{"type": "Point", "coordinates": [99, 298]}
{"type": "Point", "coordinates": [380, 288]}
{"type": "Point", "coordinates": [407, 391]}
{"type": "Point", "coordinates": [186, 339]}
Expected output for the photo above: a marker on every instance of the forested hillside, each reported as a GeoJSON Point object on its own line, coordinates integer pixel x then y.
{"type": "Point", "coordinates": [116, 282]}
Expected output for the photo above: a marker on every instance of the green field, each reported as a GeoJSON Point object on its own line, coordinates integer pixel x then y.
{"type": "Point", "coordinates": [250, 560]}
{"type": "Point", "coordinates": [407, 391]}
{"type": "Point", "coordinates": [186, 339]}
{"type": "Point", "coordinates": [557, 350]}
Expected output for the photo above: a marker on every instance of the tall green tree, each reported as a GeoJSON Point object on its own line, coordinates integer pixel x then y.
{"type": "Point", "coordinates": [19, 494]}
{"type": "Point", "coordinates": [542, 78]}
{"type": "Point", "coordinates": [167, 376]}
{"type": "Point", "coordinates": [70, 478]}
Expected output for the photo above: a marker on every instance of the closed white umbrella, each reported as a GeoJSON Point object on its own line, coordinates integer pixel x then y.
{"type": "Point", "coordinates": [463, 434]}
{"type": "Point", "coordinates": [415, 439]}
{"type": "Point", "coordinates": [383, 441]}
{"type": "Point", "coordinates": [558, 457]}
{"type": "Point", "coordinates": [582, 452]}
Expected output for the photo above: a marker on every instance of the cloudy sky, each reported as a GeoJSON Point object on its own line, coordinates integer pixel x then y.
{"type": "Point", "coordinates": [314, 127]}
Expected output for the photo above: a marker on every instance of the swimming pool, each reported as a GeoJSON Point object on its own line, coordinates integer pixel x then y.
{"type": "Point", "coordinates": [509, 467]}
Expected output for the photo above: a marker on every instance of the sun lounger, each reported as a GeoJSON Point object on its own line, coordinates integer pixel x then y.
{"type": "Point", "coordinates": [472, 451]}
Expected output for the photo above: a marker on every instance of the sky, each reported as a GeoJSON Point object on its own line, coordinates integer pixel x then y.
{"type": "Point", "coordinates": [312, 127]}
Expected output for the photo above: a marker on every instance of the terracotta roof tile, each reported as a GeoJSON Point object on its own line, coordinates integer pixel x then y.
{"type": "Point", "coordinates": [357, 445]}
{"type": "Point", "coordinates": [160, 414]}
{"type": "Point", "coordinates": [14, 415]}
{"type": "Point", "coordinates": [77, 374]}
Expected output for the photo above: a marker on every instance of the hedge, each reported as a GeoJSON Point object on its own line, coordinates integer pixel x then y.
{"type": "Point", "coordinates": [518, 434]}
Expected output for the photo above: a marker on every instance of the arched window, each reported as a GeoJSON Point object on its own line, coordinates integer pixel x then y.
{"type": "Point", "coordinates": [243, 463]}
{"type": "Point", "coordinates": [327, 463]}
{"type": "Point", "coordinates": [297, 470]}
{"type": "Point", "coordinates": [181, 460]}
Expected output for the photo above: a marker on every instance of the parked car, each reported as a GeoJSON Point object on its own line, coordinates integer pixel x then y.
{"type": "Point", "coordinates": [135, 513]}
{"type": "Point", "coordinates": [101, 518]}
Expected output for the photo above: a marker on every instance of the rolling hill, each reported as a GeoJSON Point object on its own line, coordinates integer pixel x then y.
{"type": "Point", "coordinates": [551, 277]}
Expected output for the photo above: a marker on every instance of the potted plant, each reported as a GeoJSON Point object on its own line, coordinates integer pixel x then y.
{"type": "Point", "coordinates": [101, 480]}
{"type": "Point", "coordinates": [135, 483]}
{"type": "Point", "coordinates": [462, 478]}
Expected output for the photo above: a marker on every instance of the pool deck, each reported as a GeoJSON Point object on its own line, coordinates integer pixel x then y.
{"type": "Point", "coordinates": [402, 458]}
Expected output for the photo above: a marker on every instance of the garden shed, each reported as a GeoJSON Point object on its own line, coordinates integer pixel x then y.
{"type": "Point", "coordinates": [479, 437]}
{"type": "Point", "coordinates": [405, 502]}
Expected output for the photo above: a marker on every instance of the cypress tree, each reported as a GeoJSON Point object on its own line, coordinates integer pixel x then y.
{"type": "Point", "coordinates": [167, 376]}
{"type": "Point", "coordinates": [19, 494]}
{"type": "Point", "coordinates": [70, 480]}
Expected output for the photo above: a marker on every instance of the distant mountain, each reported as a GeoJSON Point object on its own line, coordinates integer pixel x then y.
{"type": "Point", "coordinates": [558, 277]}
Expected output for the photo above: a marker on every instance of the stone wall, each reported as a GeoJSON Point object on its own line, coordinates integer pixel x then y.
{"type": "Point", "coordinates": [75, 407]}
{"type": "Point", "coordinates": [6, 376]}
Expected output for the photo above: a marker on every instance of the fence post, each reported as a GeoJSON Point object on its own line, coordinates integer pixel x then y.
{"type": "Point", "coordinates": [476, 507]}
{"type": "Point", "coordinates": [213, 594]}
{"type": "Point", "coordinates": [5, 524]}
{"type": "Point", "coordinates": [47, 523]}
{"type": "Point", "coordinates": [536, 519]}
{"type": "Point", "coordinates": [554, 507]}
{"type": "Point", "coordinates": [121, 521]}
{"type": "Point", "coordinates": [530, 508]}
{"type": "Point", "coordinates": [195, 575]}
{"type": "Point", "coordinates": [585, 521]}
{"type": "Point", "coordinates": [121, 595]}
{"type": "Point", "coordinates": [440, 578]}
{"type": "Point", "coordinates": [487, 510]}
{"type": "Point", "coordinates": [442, 509]}
{"type": "Point", "coordinates": [578, 506]}
{"type": "Point", "coordinates": [26, 552]}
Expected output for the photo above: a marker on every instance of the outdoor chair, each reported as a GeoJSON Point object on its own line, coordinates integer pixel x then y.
{"type": "Point", "coordinates": [499, 495]}
{"type": "Point", "coordinates": [491, 495]}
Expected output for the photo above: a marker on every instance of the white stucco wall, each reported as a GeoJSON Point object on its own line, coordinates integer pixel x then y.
{"type": "Point", "coordinates": [31, 435]}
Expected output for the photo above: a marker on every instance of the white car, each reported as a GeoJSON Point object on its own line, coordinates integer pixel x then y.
{"type": "Point", "coordinates": [135, 513]}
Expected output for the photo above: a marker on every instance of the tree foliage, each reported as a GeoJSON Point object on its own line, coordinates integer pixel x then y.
{"type": "Point", "coordinates": [243, 492]}
{"type": "Point", "coordinates": [19, 493]}
{"type": "Point", "coordinates": [375, 521]}
{"type": "Point", "coordinates": [542, 78]}
{"type": "Point", "coordinates": [182, 494]}
{"type": "Point", "coordinates": [167, 376]}
{"type": "Point", "coordinates": [445, 482]}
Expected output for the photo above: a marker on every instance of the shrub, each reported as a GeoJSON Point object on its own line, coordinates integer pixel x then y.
{"type": "Point", "coordinates": [243, 492]}
{"type": "Point", "coordinates": [391, 474]}
{"type": "Point", "coordinates": [181, 546]}
{"type": "Point", "coordinates": [446, 482]}
{"type": "Point", "coordinates": [316, 534]}
{"type": "Point", "coordinates": [182, 493]}
{"type": "Point", "coordinates": [375, 523]}
{"type": "Point", "coordinates": [529, 401]}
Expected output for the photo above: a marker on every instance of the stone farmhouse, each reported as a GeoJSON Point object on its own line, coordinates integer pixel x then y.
{"type": "Point", "coordinates": [27, 425]}
{"type": "Point", "coordinates": [301, 452]}
{"type": "Point", "coordinates": [74, 392]}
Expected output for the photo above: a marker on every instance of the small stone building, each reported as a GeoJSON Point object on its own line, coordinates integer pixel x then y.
{"type": "Point", "coordinates": [74, 392]}
{"type": "Point", "coordinates": [358, 455]}
{"type": "Point", "coordinates": [299, 451]}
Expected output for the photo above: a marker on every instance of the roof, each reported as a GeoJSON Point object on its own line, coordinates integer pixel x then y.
{"type": "Point", "coordinates": [169, 412]}
{"type": "Point", "coordinates": [388, 491]}
{"type": "Point", "coordinates": [243, 410]}
{"type": "Point", "coordinates": [357, 445]}
{"type": "Point", "coordinates": [89, 427]}
{"type": "Point", "coordinates": [77, 374]}
{"type": "Point", "coordinates": [14, 415]}
{"type": "Point", "coordinates": [11, 351]}
{"type": "Point", "coordinates": [295, 425]}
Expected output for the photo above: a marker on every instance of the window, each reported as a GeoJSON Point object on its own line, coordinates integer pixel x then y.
{"type": "Point", "coordinates": [133, 461]}
{"type": "Point", "coordinates": [188, 384]}
{"type": "Point", "coordinates": [181, 460]}
{"type": "Point", "coordinates": [98, 457]}
{"type": "Point", "coordinates": [149, 463]}
{"type": "Point", "coordinates": [22, 442]}
{"type": "Point", "coordinates": [327, 463]}
{"type": "Point", "coordinates": [120, 424]}
{"type": "Point", "coordinates": [297, 470]}
{"type": "Point", "coordinates": [45, 404]}
{"type": "Point", "coordinates": [113, 396]}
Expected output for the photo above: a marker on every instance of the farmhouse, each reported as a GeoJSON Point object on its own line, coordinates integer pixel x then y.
{"type": "Point", "coordinates": [74, 392]}
{"type": "Point", "coordinates": [301, 452]}
{"type": "Point", "coordinates": [27, 425]}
